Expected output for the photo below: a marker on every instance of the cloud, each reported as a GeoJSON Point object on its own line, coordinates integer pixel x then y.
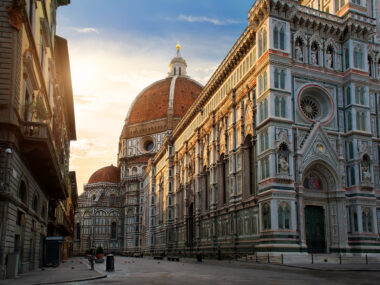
{"type": "Point", "coordinates": [86, 30]}
{"type": "Point", "coordinates": [204, 19]}
{"type": "Point", "coordinates": [85, 147]}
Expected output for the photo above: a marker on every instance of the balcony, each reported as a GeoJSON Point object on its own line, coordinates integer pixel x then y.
{"type": "Point", "coordinates": [41, 156]}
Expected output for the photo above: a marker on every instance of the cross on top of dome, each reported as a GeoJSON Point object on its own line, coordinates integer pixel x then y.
{"type": "Point", "coordinates": [178, 65]}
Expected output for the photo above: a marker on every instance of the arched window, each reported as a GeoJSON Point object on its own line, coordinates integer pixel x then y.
{"type": "Point", "coordinates": [35, 203]}
{"type": "Point", "coordinates": [266, 216]}
{"type": "Point", "coordinates": [179, 71]}
{"type": "Point", "coordinates": [134, 170]}
{"type": "Point", "coordinates": [352, 176]}
{"type": "Point", "coordinates": [284, 216]}
{"type": "Point", "coordinates": [276, 78]}
{"type": "Point", "coordinates": [113, 230]}
{"type": "Point", "coordinates": [264, 33]}
{"type": "Point", "coordinates": [358, 57]}
{"type": "Point", "coordinates": [279, 106]}
{"type": "Point", "coordinates": [22, 193]}
{"type": "Point", "coordinates": [275, 37]}
{"type": "Point", "coordinates": [282, 39]}
{"type": "Point", "coordinates": [367, 220]}
{"type": "Point", "coordinates": [265, 87]}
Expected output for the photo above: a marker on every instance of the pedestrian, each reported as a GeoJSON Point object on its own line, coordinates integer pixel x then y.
{"type": "Point", "coordinates": [91, 259]}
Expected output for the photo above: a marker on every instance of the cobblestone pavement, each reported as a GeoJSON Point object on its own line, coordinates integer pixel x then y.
{"type": "Point", "coordinates": [148, 271]}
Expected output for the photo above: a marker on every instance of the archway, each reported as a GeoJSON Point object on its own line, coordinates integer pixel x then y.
{"type": "Point", "coordinates": [318, 181]}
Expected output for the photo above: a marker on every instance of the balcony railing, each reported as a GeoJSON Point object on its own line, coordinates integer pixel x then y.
{"type": "Point", "coordinates": [35, 130]}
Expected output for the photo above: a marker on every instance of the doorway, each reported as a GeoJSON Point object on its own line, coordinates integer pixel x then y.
{"type": "Point", "coordinates": [315, 229]}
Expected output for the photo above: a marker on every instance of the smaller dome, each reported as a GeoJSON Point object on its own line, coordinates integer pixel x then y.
{"type": "Point", "coordinates": [109, 174]}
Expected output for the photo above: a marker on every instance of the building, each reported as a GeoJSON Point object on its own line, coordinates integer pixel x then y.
{"type": "Point", "coordinates": [99, 217]}
{"type": "Point", "coordinates": [36, 126]}
{"type": "Point", "coordinates": [278, 153]}
{"type": "Point", "coordinates": [151, 117]}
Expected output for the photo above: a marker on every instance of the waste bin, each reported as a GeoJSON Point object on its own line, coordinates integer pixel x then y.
{"type": "Point", "coordinates": [110, 265]}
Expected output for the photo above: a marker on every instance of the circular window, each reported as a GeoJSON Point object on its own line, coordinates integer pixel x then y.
{"type": "Point", "coordinates": [310, 107]}
{"type": "Point", "coordinates": [315, 104]}
{"type": "Point", "coordinates": [146, 144]}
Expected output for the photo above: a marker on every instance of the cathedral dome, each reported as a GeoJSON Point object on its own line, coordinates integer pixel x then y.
{"type": "Point", "coordinates": [155, 101]}
{"type": "Point", "coordinates": [164, 99]}
{"type": "Point", "coordinates": [109, 174]}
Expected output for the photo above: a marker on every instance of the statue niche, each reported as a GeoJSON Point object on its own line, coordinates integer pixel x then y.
{"type": "Point", "coordinates": [299, 50]}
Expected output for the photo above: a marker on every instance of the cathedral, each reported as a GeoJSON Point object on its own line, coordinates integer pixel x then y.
{"type": "Point", "coordinates": [278, 153]}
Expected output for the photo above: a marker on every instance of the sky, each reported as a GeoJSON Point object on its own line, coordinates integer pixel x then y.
{"type": "Point", "coordinates": [118, 47]}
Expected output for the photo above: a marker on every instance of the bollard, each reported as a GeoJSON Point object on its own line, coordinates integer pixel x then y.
{"type": "Point", "coordinates": [340, 258]}
{"type": "Point", "coordinates": [110, 266]}
{"type": "Point", "coordinates": [268, 258]}
{"type": "Point", "coordinates": [282, 258]}
{"type": "Point", "coordinates": [366, 259]}
{"type": "Point", "coordinates": [312, 259]}
{"type": "Point", "coordinates": [199, 257]}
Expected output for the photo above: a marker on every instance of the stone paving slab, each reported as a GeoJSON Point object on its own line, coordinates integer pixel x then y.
{"type": "Point", "coordinates": [74, 269]}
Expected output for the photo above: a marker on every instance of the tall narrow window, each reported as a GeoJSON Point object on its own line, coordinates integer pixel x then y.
{"type": "Point", "coordinates": [367, 220]}
{"type": "Point", "coordinates": [283, 113]}
{"type": "Point", "coordinates": [347, 58]}
{"type": "Point", "coordinates": [352, 176]}
{"type": "Point", "coordinates": [277, 106]}
{"type": "Point", "coordinates": [265, 81]}
{"type": "Point", "coordinates": [266, 216]}
{"type": "Point", "coordinates": [348, 95]}
{"type": "Point", "coordinates": [265, 108]}
{"type": "Point", "coordinates": [349, 120]}
{"type": "Point", "coordinates": [113, 230]}
{"type": "Point", "coordinates": [264, 40]}
{"type": "Point", "coordinates": [275, 37]}
{"type": "Point", "coordinates": [284, 216]}
{"type": "Point", "coordinates": [276, 78]}
{"type": "Point", "coordinates": [282, 39]}
{"type": "Point", "coordinates": [282, 79]}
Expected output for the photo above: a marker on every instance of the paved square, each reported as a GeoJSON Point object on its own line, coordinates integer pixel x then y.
{"type": "Point", "coordinates": [148, 271]}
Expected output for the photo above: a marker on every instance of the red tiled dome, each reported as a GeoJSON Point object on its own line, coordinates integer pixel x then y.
{"type": "Point", "coordinates": [106, 174]}
{"type": "Point", "coordinates": [153, 102]}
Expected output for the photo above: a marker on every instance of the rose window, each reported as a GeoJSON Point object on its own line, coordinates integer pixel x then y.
{"type": "Point", "coordinates": [310, 107]}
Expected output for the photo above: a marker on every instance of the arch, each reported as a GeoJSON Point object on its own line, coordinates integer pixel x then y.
{"type": "Point", "coordinates": [22, 192]}
{"type": "Point", "coordinates": [35, 202]}
{"type": "Point", "coordinates": [332, 43]}
{"type": "Point", "coordinates": [320, 175]}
